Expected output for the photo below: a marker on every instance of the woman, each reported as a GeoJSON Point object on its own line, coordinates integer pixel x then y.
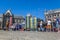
{"type": "Point", "coordinates": [58, 24]}
{"type": "Point", "coordinates": [48, 25]}
{"type": "Point", "coordinates": [41, 26]}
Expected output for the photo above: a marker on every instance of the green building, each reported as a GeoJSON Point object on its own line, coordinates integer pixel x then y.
{"type": "Point", "coordinates": [28, 22]}
{"type": "Point", "coordinates": [35, 23]}
{"type": "Point", "coordinates": [31, 23]}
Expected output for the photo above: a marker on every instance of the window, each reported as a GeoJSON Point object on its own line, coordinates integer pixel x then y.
{"type": "Point", "coordinates": [58, 15]}
{"type": "Point", "coordinates": [54, 15]}
{"type": "Point", "coordinates": [46, 16]}
{"type": "Point", "coordinates": [15, 20]}
{"type": "Point", "coordinates": [50, 16]}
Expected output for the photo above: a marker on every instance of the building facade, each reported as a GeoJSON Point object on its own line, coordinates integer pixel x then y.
{"type": "Point", "coordinates": [35, 23]}
{"type": "Point", "coordinates": [28, 20]}
{"type": "Point", "coordinates": [31, 22]}
{"type": "Point", "coordinates": [9, 19]}
{"type": "Point", "coordinates": [19, 19]}
{"type": "Point", "coordinates": [51, 14]}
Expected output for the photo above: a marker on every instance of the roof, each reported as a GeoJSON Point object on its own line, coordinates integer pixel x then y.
{"type": "Point", "coordinates": [52, 11]}
{"type": "Point", "coordinates": [8, 11]}
{"type": "Point", "coordinates": [19, 17]}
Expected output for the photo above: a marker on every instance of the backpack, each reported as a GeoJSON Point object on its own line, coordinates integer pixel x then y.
{"type": "Point", "coordinates": [59, 22]}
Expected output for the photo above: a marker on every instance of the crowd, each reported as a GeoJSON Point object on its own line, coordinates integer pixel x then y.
{"type": "Point", "coordinates": [50, 26]}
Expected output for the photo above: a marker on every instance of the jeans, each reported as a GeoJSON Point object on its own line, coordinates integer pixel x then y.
{"type": "Point", "coordinates": [41, 28]}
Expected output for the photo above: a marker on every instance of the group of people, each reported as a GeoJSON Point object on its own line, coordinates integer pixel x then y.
{"type": "Point", "coordinates": [13, 27]}
{"type": "Point", "coordinates": [49, 26]}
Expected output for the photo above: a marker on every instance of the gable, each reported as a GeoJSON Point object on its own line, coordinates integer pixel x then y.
{"type": "Point", "coordinates": [8, 12]}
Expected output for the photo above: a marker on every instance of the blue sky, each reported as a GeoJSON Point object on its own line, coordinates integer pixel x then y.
{"type": "Point", "coordinates": [23, 7]}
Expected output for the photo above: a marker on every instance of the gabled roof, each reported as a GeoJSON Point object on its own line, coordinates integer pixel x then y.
{"type": "Point", "coordinates": [8, 11]}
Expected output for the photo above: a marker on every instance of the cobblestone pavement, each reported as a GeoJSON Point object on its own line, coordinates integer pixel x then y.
{"type": "Point", "coordinates": [28, 35]}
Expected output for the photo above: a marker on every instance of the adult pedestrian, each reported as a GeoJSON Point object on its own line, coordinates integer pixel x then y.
{"type": "Point", "coordinates": [41, 26]}
{"type": "Point", "coordinates": [58, 24]}
{"type": "Point", "coordinates": [48, 25]}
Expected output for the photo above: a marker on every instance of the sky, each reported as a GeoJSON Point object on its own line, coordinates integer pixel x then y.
{"type": "Point", "coordinates": [23, 7]}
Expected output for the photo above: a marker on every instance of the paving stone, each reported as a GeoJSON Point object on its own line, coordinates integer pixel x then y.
{"type": "Point", "coordinates": [29, 35]}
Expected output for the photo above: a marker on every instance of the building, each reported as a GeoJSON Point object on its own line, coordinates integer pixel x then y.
{"type": "Point", "coordinates": [1, 20]}
{"type": "Point", "coordinates": [31, 22]}
{"type": "Point", "coordinates": [28, 19]}
{"type": "Point", "coordinates": [35, 23]}
{"type": "Point", "coordinates": [19, 19]}
{"type": "Point", "coordinates": [51, 14]}
{"type": "Point", "coordinates": [9, 19]}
